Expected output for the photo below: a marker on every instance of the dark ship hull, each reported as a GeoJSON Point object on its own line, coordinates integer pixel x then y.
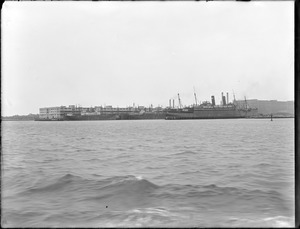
{"type": "Point", "coordinates": [125, 116]}
{"type": "Point", "coordinates": [91, 117]}
{"type": "Point", "coordinates": [213, 112]}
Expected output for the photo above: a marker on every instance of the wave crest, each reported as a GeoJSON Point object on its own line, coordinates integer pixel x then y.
{"type": "Point", "coordinates": [58, 184]}
{"type": "Point", "coordinates": [185, 153]}
{"type": "Point", "coordinates": [131, 183]}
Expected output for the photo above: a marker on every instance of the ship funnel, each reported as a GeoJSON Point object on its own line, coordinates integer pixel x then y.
{"type": "Point", "coordinates": [173, 103]}
{"type": "Point", "coordinates": [170, 103]}
{"type": "Point", "coordinates": [224, 100]}
{"type": "Point", "coordinates": [213, 100]}
{"type": "Point", "coordinates": [227, 98]}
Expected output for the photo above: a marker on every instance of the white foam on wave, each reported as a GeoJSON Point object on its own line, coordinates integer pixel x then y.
{"type": "Point", "coordinates": [147, 217]}
{"type": "Point", "coordinates": [139, 217]}
{"type": "Point", "coordinates": [152, 211]}
{"type": "Point", "coordinates": [280, 221]}
{"type": "Point", "coordinates": [126, 178]}
{"type": "Point", "coordinates": [133, 177]}
{"type": "Point", "coordinates": [139, 177]}
{"type": "Point", "coordinates": [277, 221]}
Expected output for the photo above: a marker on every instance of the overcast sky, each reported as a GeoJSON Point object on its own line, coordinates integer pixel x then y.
{"type": "Point", "coordinates": [120, 53]}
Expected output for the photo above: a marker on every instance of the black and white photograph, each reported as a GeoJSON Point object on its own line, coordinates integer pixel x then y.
{"type": "Point", "coordinates": [147, 114]}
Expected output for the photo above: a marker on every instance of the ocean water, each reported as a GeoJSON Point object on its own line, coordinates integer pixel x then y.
{"type": "Point", "coordinates": [148, 173]}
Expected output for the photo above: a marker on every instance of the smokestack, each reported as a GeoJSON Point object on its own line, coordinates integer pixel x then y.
{"type": "Point", "coordinates": [173, 103]}
{"type": "Point", "coordinates": [224, 100]}
{"type": "Point", "coordinates": [213, 100]}
{"type": "Point", "coordinates": [227, 98]}
{"type": "Point", "coordinates": [170, 103]}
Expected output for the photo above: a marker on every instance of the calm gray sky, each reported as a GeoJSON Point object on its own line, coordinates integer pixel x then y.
{"type": "Point", "coordinates": [120, 53]}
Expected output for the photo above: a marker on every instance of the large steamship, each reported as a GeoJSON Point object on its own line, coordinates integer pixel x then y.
{"type": "Point", "coordinates": [209, 110]}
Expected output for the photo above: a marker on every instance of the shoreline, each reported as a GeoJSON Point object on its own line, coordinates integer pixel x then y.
{"type": "Point", "coordinates": [49, 120]}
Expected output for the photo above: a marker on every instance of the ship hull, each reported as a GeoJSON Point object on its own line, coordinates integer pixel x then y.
{"type": "Point", "coordinates": [125, 116]}
{"type": "Point", "coordinates": [143, 116]}
{"type": "Point", "coordinates": [91, 117]}
{"type": "Point", "coordinates": [210, 114]}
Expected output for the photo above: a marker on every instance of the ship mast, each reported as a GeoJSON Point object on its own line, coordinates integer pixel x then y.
{"type": "Point", "coordinates": [233, 96]}
{"type": "Point", "coordinates": [246, 105]}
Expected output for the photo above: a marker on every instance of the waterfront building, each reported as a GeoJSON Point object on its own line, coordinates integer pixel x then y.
{"type": "Point", "coordinates": [57, 112]}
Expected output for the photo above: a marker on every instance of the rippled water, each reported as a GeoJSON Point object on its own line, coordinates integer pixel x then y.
{"type": "Point", "coordinates": [204, 173]}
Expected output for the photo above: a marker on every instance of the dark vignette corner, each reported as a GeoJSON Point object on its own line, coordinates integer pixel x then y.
{"type": "Point", "coordinates": [297, 94]}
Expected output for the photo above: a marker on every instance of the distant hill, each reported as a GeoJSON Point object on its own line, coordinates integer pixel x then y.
{"type": "Point", "coordinates": [29, 117]}
{"type": "Point", "coordinates": [267, 107]}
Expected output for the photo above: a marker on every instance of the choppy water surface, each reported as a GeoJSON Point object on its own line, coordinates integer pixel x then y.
{"type": "Point", "coordinates": [204, 173]}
